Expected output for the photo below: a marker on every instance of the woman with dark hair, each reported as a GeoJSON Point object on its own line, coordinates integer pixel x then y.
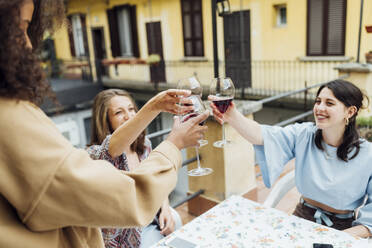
{"type": "Point", "coordinates": [124, 149]}
{"type": "Point", "coordinates": [333, 169]}
{"type": "Point", "coordinates": [52, 194]}
{"type": "Point", "coordinates": [21, 33]}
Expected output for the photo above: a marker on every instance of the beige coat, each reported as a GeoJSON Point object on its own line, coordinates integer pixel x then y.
{"type": "Point", "coordinates": [54, 195]}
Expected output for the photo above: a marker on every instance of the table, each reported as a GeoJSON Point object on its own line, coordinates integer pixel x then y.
{"type": "Point", "coordinates": [239, 222]}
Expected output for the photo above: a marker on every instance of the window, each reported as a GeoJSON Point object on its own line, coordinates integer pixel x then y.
{"type": "Point", "coordinates": [192, 27]}
{"type": "Point", "coordinates": [77, 35]}
{"type": "Point", "coordinates": [123, 31]}
{"type": "Point", "coordinates": [326, 27]}
{"type": "Point", "coordinates": [281, 15]}
{"type": "Point", "coordinates": [77, 31]}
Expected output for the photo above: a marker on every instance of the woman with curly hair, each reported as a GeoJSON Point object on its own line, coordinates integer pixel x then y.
{"type": "Point", "coordinates": [21, 76]}
{"type": "Point", "coordinates": [52, 194]}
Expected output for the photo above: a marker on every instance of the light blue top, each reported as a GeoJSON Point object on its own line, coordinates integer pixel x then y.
{"type": "Point", "coordinates": [320, 177]}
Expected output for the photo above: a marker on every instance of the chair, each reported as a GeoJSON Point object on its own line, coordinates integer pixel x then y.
{"type": "Point", "coordinates": [285, 184]}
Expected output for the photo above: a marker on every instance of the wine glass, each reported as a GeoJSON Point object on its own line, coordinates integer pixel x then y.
{"type": "Point", "coordinates": [192, 84]}
{"type": "Point", "coordinates": [222, 91]}
{"type": "Point", "coordinates": [199, 108]}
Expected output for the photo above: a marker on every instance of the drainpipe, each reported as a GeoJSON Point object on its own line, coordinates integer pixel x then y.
{"type": "Point", "coordinates": [360, 28]}
{"type": "Point", "coordinates": [242, 48]}
{"type": "Point", "coordinates": [214, 34]}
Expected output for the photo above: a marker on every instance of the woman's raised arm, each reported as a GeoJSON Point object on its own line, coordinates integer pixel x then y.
{"type": "Point", "coordinates": [127, 133]}
{"type": "Point", "coordinates": [247, 128]}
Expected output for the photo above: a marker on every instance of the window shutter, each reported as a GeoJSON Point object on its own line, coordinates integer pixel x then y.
{"type": "Point", "coordinates": [336, 27]}
{"type": "Point", "coordinates": [192, 24]}
{"type": "Point", "coordinates": [315, 27]}
{"type": "Point", "coordinates": [133, 22]}
{"type": "Point", "coordinates": [114, 35]}
{"type": "Point", "coordinates": [71, 37]}
{"type": "Point", "coordinates": [85, 35]}
{"type": "Point", "coordinates": [186, 10]}
{"type": "Point", "coordinates": [326, 27]}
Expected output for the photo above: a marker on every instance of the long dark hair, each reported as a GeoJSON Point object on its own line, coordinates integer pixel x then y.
{"type": "Point", "coordinates": [21, 76]}
{"type": "Point", "coordinates": [100, 122]}
{"type": "Point", "coordinates": [349, 95]}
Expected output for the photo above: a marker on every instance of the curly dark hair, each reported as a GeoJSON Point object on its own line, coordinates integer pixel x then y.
{"type": "Point", "coordinates": [21, 75]}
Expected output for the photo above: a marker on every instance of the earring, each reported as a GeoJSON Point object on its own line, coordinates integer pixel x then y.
{"type": "Point", "coordinates": [346, 121]}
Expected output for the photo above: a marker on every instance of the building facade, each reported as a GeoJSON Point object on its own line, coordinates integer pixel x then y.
{"type": "Point", "coordinates": [271, 44]}
{"type": "Point", "coordinates": [265, 46]}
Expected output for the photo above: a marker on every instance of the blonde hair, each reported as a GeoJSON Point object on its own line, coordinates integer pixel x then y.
{"type": "Point", "coordinates": [101, 126]}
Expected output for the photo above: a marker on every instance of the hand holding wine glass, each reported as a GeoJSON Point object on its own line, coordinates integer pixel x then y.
{"type": "Point", "coordinates": [187, 134]}
{"type": "Point", "coordinates": [222, 93]}
{"type": "Point", "coordinates": [168, 101]}
{"type": "Point", "coordinates": [192, 84]}
{"type": "Point", "coordinates": [199, 109]}
{"type": "Point", "coordinates": [195, 100]}
{"type": "Point", "coordinates": [218, 116]}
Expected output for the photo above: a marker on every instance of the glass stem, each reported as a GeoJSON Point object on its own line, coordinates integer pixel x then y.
{"type": "Point", "coordinates": [197, 156]}
{"type": "Point", "coordinates": [223, 132]}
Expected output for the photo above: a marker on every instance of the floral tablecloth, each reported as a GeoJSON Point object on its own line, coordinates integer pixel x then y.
{"type": "Point", "coordinates": [239, 222]}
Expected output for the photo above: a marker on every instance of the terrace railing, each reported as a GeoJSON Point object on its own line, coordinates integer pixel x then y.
{"type": "Point", "coordinates": [268, 77]}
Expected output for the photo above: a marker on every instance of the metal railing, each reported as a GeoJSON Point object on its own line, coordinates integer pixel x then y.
{"type": "Point", "coordinates": [268, 77]}
{"type": "Point", "coordinates": [272, 77]}
{"type": "Point", "coordinates": [188, 198]}
{"type": "Point", "coordinates": [157, 134]}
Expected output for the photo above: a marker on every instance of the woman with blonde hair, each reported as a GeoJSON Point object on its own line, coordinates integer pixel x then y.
{"type": "Point", "coordinates": [125, 149]}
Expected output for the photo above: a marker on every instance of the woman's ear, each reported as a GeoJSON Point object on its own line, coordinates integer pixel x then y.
{"type": "Point", "coordinates": [351, 111]}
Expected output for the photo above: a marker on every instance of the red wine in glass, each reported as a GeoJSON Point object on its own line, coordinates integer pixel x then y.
{"type": "Point", "coordinates": [192, 115]}
{"type": "Point", "coordinates": [222, 91]}
{"type": "Point", "coordinates": [223, 104]}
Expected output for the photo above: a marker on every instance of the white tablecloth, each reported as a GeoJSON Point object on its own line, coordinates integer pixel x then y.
{"type": "Point", "coordinates": [239, 222]}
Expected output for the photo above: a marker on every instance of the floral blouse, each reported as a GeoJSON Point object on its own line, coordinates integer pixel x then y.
{"type": "Point", "coordinates": [118, 237]}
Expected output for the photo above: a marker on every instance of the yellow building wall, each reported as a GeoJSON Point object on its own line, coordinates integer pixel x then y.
{"type": "Point", "coordinates": [62, 44]}
{"type": "Point", "coordinates": [96, 16]}
{"type": "Point", "coordinates": [289, 42]}
{"type": "Point", "coordinates": [268, 42]}
{"type": "Point", "coordinates": [168, 12]}
{"type": "Point", "coordinates": [352, 29]}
